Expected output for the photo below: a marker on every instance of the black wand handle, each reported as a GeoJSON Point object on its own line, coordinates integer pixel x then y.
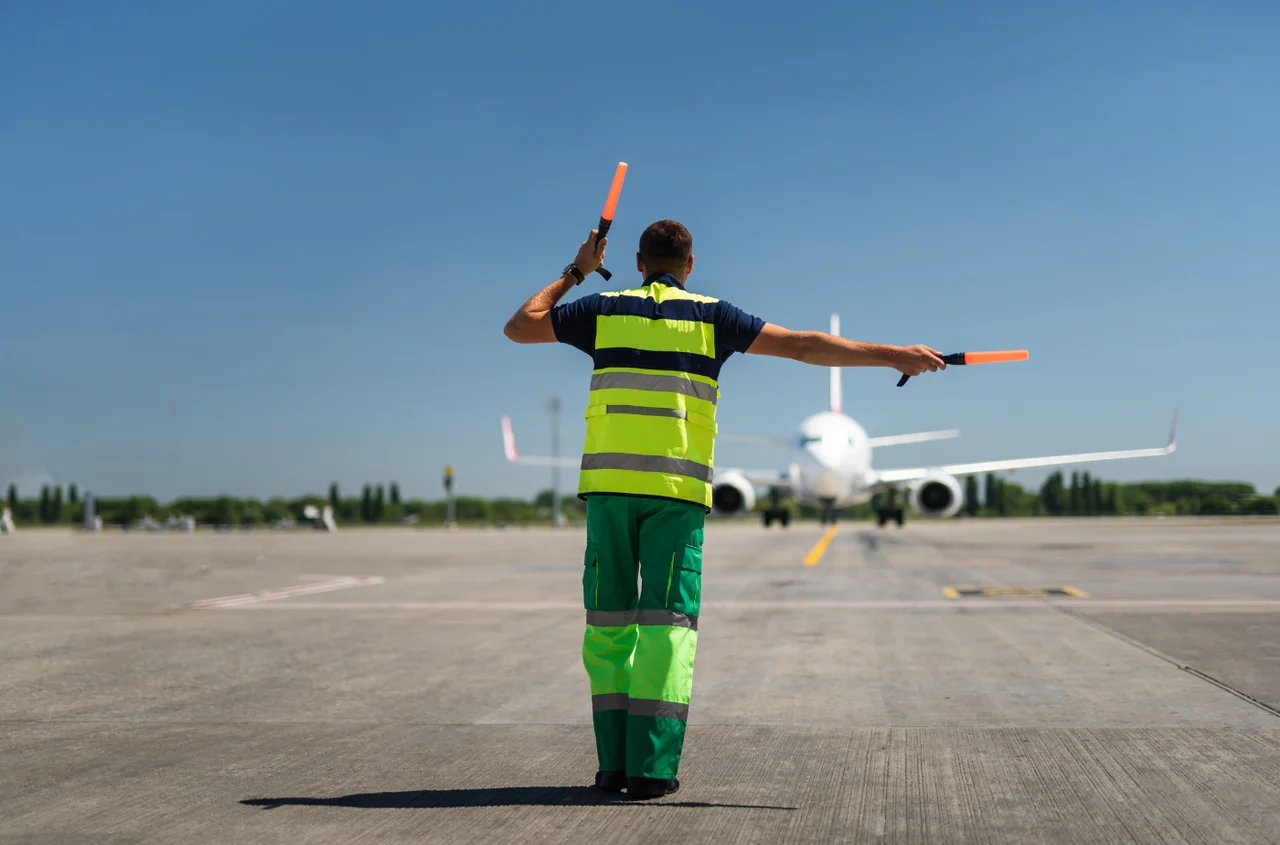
{"type": "Point", "coordinates": [600, 233]}
{"type": "Point", "coordinates": [949, 360]}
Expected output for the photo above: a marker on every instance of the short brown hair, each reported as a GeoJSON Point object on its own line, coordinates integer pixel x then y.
{"type": "Point", "coordinates": [665, 245]}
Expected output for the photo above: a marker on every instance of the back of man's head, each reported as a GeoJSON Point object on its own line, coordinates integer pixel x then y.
{"type": "Point", "coordinates": [665, 247]}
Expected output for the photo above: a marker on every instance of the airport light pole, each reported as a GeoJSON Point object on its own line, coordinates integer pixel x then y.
{"type": "Point", "coordinates": [557, 518]}
{"type": "Point", "coordinates": [450, 516]}
{"type": "Point", "coordinates": [90, 511]}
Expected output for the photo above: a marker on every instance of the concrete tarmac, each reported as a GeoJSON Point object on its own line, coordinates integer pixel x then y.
{"type": "Point", "coordinates": [1092, 681]}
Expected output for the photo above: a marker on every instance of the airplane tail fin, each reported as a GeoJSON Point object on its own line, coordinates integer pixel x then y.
{"type": "Point", "coordinates": [835, 371]}
{"type": "Point", "coordinates": [509, 447]}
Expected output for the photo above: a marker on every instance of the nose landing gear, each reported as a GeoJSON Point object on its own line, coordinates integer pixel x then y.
{"type": "Point", "coordinates": [891, 510]}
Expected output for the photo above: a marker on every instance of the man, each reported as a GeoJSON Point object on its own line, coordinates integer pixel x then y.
{"type": "Point", "coordinates": [646, 478]}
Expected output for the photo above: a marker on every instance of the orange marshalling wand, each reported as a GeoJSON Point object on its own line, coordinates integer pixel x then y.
{"type": "Point", "coordinates": [978, 358]}
{"type": "Point", "coordinates": [606, 216]}
{"type": "Point", "coordinates": [989, 357]}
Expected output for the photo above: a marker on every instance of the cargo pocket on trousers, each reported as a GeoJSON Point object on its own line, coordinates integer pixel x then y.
{"type": "Point", "coordinates": [686, 580]}
{"type": "Point", "coordinates": [591, 576]}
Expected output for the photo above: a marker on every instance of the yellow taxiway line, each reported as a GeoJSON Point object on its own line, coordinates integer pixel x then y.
{"type": "Point", "coordinates": [816, 553]}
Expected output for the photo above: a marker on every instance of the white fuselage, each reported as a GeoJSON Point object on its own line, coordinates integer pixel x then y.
{"type": "Point", "coordinates": [831, 460]}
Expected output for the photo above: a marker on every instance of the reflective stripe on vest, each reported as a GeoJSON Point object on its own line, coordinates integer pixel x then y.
{"type": "Point", "coordinates": [651, 412]}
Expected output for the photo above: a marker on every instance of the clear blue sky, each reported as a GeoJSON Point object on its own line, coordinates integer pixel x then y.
{"type": "Point", "coordinates": [253, 247]}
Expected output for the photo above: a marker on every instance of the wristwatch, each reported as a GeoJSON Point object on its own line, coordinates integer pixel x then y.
{"type": "Point", "coordinates": [571, 270]}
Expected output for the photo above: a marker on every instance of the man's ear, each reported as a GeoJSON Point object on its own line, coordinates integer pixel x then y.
{"type": "Point", "coordinates": [688, 266]}
{"type": "Point", "coordinates": [640, 264]}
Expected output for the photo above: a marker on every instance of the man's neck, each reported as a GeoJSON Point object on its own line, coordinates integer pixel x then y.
{"type": "Point", "coordinates": [666, 278]}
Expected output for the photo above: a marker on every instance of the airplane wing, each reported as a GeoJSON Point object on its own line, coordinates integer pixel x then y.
{"type": "Point", "coordinates": [920, 437]}
{"type": "Point", "coordinates": [753, 440]}
{"type": "Point", "coordinates": [895, 476]}
{"type": "Point", "coordinates": [509, 444]}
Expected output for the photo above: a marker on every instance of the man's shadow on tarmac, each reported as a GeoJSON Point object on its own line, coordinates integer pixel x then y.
{"type": "Point", "coordinates": [504, 796]}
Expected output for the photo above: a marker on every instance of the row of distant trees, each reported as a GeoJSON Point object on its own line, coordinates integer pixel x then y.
{"type": "Point", "coordinates": [381, 504]}
{"type": "Point", "coordinates": [377, 504]}
{"type": "Point", "coordinates": [1085, 495]}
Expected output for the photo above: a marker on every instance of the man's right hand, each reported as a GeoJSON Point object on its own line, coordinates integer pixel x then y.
{"type": "Point", "coordinates": [914, 360]}
{"type": "Point", "coordinates": [590, 254]}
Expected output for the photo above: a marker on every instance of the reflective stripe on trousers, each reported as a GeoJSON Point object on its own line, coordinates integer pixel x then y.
{"type": "Point", "coordinates": [640, 706]}
{"type": "Point", "coordinates": [622, 618]}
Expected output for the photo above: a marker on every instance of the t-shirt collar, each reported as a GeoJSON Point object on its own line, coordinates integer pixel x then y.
{"type": "Point", "coordinates": [663, 279]}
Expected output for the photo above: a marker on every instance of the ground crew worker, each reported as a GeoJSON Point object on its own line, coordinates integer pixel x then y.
{"type": "Point", "coordinates": [646, 478]}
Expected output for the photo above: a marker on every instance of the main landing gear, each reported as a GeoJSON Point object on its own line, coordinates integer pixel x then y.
{"type": "Point", "coordinates": [896, 515]}
{"type": "Point", "coordinates": [828, 514]}
{"type": "Point", "coordinates": [891, 511]}
{"type": "Point", "coordinates": [776, 510]}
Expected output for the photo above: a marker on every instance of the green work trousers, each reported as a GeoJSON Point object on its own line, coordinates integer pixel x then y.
{"type": "Point", "coordinates": [641, 586]}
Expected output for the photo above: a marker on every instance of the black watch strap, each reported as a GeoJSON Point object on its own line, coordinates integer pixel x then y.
{"type": "Point", "coordinates": [577, 274]}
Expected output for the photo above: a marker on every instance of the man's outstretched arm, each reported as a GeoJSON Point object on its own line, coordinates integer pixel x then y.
{"type": "Point", "coordinates": [532, 322]}
{"type": "Point", "coordinates": [827, 350]}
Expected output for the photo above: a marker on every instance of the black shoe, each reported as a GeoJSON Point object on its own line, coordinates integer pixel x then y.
{"type": "Point", "coordinates": [644, 788]}
{"type": "Point", "coordinates": [611, 781]}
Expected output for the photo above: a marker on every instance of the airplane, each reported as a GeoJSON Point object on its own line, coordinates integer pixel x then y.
{"type": "Point", "coordinates": [830, 467]}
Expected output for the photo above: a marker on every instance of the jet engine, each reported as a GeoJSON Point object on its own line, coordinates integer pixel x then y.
{"type": "Point", "coordinates": [731, 493]}
{"type": "Point", "coordinates": [938, 496]}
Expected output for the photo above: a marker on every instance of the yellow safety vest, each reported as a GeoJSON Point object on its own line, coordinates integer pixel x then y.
{"type": "Point", "coordinates": [651, 412]}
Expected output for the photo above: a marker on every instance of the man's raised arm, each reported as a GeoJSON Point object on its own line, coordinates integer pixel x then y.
{"type": "Point", "coordinates": [827, 350]}
{"type": "Point", "coordinates": [532, 322]}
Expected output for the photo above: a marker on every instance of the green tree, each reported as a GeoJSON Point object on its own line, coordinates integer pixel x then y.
{"type": "Point", "coordinates": [1188, 490]}
{"type": "Point", "coordinates": [1073, 499]}
{"type": "Point", "coordinates": [13, 500]}
{"type": "Point", "coordinates": [335, 501]}
{"type": "Point", "coordinates": [395, 493]}
{"type": "Point", "coordinates": [73, 495]}
{"type": "Point", "coordinates": [989, 497]}
{"type": "Point", "coordinates": [1118, 501]}
{"type": "Point", "coordinates": [1086, 494]}
{"type": "Point", "coordinates": [350, 511]}
{"type": "Point", "coordinates": [1216, 506]}
{"type": "Point", "coordinates": [470, 509]}
{"type": "Point", "coordinates": [379, 504]}
{"type": "Point", "coordinates": [275, 510]}
{"type": "Point", "coordinates": [44, 503]}
{"type": "Point", "coordinates": [226, 512]}
{"type": "Point", "coordinates": [1002, 497]}
{"type": "Point", "coordinates": [366, 504]}
{"type": "Point", "coordinates": [135, 509]}
{"type": "Point", "coordinates": [1260, 506]}
{"type": "Point", "coordinates": [252, 513]}
{"type": "Point", "coordinates": [971, 503]}
{"type": "Point", "coordinates": [1053, 495]}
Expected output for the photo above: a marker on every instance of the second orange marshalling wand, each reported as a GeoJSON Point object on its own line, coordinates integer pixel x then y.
{"type": "Point", "coordinates": [978, 358]}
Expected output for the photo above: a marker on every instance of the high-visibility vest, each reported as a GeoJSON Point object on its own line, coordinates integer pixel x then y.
{"type": "Point", "coordinates": [651, 412]}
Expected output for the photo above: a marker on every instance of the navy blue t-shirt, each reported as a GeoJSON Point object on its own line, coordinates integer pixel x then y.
{"type": "Point", "coordinates": [735, 330]}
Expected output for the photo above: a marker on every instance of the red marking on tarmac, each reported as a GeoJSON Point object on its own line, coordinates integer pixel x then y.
{"type": "Point", "coordinates": [892, 604]}
{"type": "Point", "coordinates": [244, 599]}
